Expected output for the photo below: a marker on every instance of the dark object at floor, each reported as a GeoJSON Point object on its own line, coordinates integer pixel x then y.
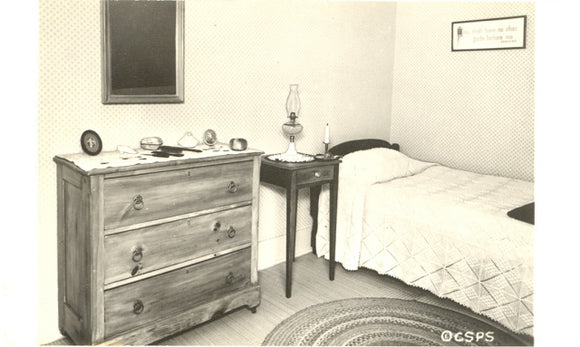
{"type": "Point", "coordinates": [524, 213]}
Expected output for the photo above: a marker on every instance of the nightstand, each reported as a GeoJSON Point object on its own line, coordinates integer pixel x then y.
{"type": "Point", "coordinates": [292, 177]}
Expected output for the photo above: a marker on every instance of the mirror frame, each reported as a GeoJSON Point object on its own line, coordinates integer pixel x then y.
{"type": "Point", "coordinates": [108, 96]}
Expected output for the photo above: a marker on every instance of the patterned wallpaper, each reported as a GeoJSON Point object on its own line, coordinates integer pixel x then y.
{"type": "Point", "coordinates": [240, 57]}
{"type": "Point", "coordinates": [470, 110]}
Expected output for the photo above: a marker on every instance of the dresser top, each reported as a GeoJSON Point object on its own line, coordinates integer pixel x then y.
{"type": "Point", "coordinates": [115, 161]}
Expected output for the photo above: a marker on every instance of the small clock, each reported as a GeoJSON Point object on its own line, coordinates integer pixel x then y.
{"type": "Point", "coordinates": [209, 137]}
{"type": "Point", "coordinates": [91, 142]}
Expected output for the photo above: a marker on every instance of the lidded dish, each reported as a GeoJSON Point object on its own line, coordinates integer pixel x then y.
{"type": "Point", "coordinates": [238, 144]}
{"type": "Point", "coordinates": [151, 143]}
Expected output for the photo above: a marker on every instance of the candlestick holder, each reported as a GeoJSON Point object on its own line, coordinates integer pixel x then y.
{"type": "Point", "coordinates": [327, 154]}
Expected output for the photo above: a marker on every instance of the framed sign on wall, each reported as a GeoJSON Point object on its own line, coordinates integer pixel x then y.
{"type": "Point", "coordinates": [489, 34]}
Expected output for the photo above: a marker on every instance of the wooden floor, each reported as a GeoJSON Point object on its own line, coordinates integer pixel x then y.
{"type": "Point", "coordinates": [310, 286]}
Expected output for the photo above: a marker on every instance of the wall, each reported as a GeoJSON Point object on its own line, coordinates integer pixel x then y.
{"type": "Point", "coordinates": [470, 110]}
{"type": "Point", "coordinates": [240, 57]}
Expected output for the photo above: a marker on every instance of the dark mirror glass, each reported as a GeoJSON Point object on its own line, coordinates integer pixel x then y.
{"type": "Point", "coordinates": [143, 51]}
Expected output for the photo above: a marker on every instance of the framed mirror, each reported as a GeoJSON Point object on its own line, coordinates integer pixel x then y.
{"type": "Point", "coordinates": [142, 51]}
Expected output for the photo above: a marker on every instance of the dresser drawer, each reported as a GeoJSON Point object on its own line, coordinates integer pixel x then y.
{"type": "Point", "coordinates": [314, 174]}
{"type": "Point", "coordinates": [147, 197]}
{"type": "Point", "coordinates": [142, 302]}
{"type": "Point", "coordinates": [143, 250]}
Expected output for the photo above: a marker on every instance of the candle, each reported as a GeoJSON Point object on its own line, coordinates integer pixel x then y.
{"type": "Point", "coordinates": [326, 134]}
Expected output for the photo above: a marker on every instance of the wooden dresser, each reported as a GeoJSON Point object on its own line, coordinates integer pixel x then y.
{"type": "Point", "coordinates": [151, 246]}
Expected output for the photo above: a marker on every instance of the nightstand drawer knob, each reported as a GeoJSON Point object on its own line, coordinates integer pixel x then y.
{"type": "Point", "coordinates": [231, 232]}
{"type": "Point", "coordinates": [138, 307]}
{"type": "Point", "coordinates": [316, 174]}
{"type": "Point", "coordinates": [233, 187]}
{"type": "Point", "coordinates": [138, 202]}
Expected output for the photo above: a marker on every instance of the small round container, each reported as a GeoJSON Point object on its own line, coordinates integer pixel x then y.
{"type": "Point", "coordinates": [151, 143]}
{"type": "Point", "coordinates": [238, 144]}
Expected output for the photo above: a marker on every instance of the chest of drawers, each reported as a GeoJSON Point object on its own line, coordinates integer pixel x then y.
{"type": "Point", "coordinates": [149, 246]}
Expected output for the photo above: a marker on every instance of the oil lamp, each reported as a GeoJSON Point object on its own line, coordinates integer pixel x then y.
{"type": "Point", "coordinates": [292, 128]}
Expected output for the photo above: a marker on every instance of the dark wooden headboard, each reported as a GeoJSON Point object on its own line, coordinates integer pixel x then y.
{"type": "Point", "coordinates": [360, 145]}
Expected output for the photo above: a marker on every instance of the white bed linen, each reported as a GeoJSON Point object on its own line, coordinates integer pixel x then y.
{"type": "Point", "coordinates": [437, 228]}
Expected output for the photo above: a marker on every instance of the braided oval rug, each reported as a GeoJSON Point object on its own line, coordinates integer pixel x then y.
{"type": "Point", "coordinates": [387, 322]}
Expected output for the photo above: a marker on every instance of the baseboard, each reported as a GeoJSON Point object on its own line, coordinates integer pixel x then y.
{"type": "Point", "coordinates": [273, 251]}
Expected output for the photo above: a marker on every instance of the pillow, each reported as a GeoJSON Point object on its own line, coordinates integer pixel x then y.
{"type": "Point", "coordinates": [379, 165]}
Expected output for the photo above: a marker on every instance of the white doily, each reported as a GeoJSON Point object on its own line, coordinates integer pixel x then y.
{"type": "Point", "coordinates": [291, 158]}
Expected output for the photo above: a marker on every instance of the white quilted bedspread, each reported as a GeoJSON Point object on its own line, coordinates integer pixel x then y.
{"type": "Point", "coordinates": [437, 228]}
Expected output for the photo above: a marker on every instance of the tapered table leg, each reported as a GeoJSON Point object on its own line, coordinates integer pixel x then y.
{"type": "Point", "coordinates": [332, 226]}
{"type": "Point", "coordinates": [291, 207]}
{"type": "Point", "coordinates": [314, 198]}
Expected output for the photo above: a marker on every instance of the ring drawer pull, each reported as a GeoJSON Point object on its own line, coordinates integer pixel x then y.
{"type": "Point", "coordinates": [217, 226]}
{"type": "Point", "coordinates": [138, 307]}
{"type": "Point", "coordinates": [138, 202]}
{"type": "Point", "coordinates": [137, 254]}
{"type": "Point", "coordinates": [233, 187]}
{"type": "Point", "coordinates": [231, 232]}
{"type": "Point", "coordinates": [230, 278]}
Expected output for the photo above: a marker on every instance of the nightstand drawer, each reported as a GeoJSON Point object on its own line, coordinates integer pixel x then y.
{"type": "Point", "coordinates": [139, 251]}
{"type": "Point", "coordinates": [315, 174]}
{"type": "Point", "coordinates": [142, 302]}
{"type": "Point", "coordinates": [136, 199]}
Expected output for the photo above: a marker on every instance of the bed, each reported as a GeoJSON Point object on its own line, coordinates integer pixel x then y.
{"type": "Point", "coordinates": [434, 227]}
